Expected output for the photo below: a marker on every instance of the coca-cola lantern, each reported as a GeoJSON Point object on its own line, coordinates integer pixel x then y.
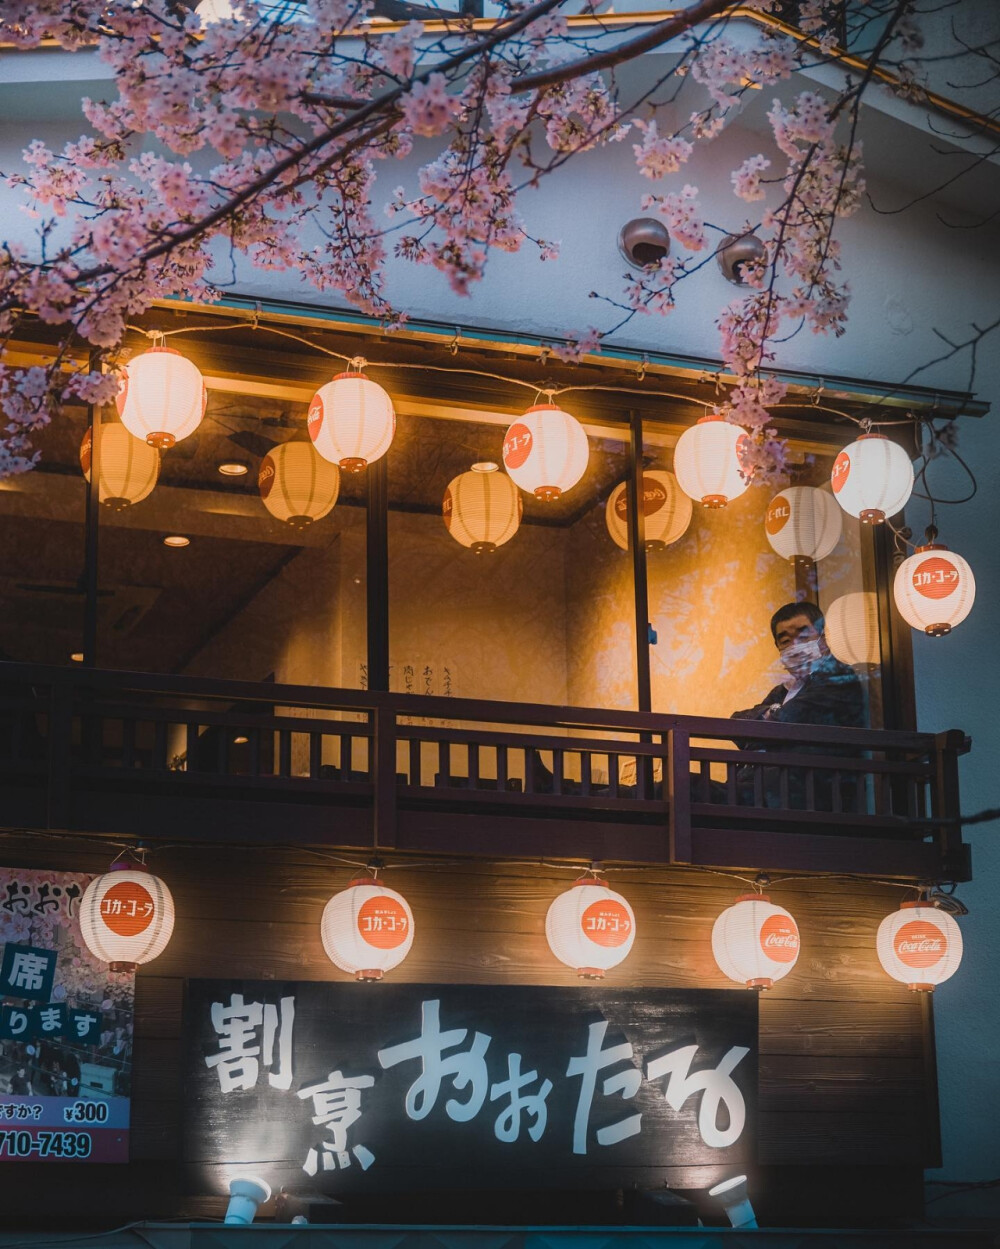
{"type": "Point", "coordinates": [851, 628]}
{"type": "Point", "coordinates": [351, 421]}
{"type": "Point", "coordinates": [162, 398]}
{"type": "Point", "coordinates": [872, 478]}
{"type": "Point", "coordinates": [666, 511]}
{"type": "Point", "coordinates": [590, 928]}
{"type": "Point", "coordinates": [126, 916]}
{"type": "Point", "coordinates": [482, 508]}
{"type": "Point", "coordinates": [708, 461]}
{"type": "Point", "coordinates": [546, 451]}
{"type": "Point", "coordinates": [803, 523]}
{"type": "Point", "coordinates": [129, 466]}
{"type": "Point", "coordinates": [755, 942]}
{"type": "Point", "coordinates": [367, 929]}
{"type": "Point", "coordinates": [297, 485]}
{"type": "Point", "coordinates": [934, 589]}
{"type": "Point", "coordinates": [919, 945]}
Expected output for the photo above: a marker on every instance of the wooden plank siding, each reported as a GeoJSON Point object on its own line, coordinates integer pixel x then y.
{"type": "Point", "coordinates": [845, 1081]}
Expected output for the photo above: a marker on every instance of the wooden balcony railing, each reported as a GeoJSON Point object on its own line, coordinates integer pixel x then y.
{"type": "Point", "coordinates": [162, 756]}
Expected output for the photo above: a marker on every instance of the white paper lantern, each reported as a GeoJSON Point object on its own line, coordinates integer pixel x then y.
{"type": "Point", "coordinates": [934, 589]}
{"type": "Point", "coordinates": [162, 397]}
{"type": "Point", "coordinates": [872, 478]}
{"type": "Point", "coordinates": [708, 461]}
{"type": "Point", "coordinates": [126, 917]}
{"type": "Point", "coordinates": [851, 628]}
{"type": "Point", "coordinates": [367, 929]}
{"type": "Point", "coordinates": [482, 508]}
{"type": "Point", "coordinates": [297, 485]}
{"type": "Point", "coordinates": [920, 946]}
{"type": "Point", "coordinates": [803, 523]}
{"type": "Point", "coordinates": [666, 510]}
{"type": "Point", "coordinates": [129, 466]}
{"type": "Point", "coordinates": [546, 451]}
{"type": "Point", "coordinates": [351, 421]}
{"type": "Point", "coordinates": [590, 928]}
{"type": "Point", "coordinates": [755, 942]}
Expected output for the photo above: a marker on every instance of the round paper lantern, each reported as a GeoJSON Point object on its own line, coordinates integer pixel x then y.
{"type": "Point", "coordinates": [351, 421]}
{"type": "Point", "coordinates": [297, 485]}
{"type": "Point", "coordinates": [546, 451]}
{"type": "Point", "coordinates": [666, 510]}
{"type": "Point", "coordinates": [755, 942]}
{"type": "Point", "coordinates": [919, 945]}
{"type": "Point", "coordinates": [126, 917]}
{"type": "Point", "coordinates": [162, 397]}
{"type": "Point", "coordinates": [803, 523]}
{"type": "Point", "coordinates": [707, 461]}
{"type": "Point", "coordinates": [872, 478]}
{"type": "Point", "coordinates": [934, 589]}
{"type": "Point", "coordinates": [852, 628]}
{"type": "Point", "coordinates": [129, 467]}
{"type": "Point", "coordinates": [367, 929]}
{"type": "Point", "coordinates": [590, 928]}
{"type": "Point", "coordinates": [482, 508]}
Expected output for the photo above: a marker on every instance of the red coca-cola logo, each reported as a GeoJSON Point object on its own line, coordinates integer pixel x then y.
{"type": "Point", "coordinates": [840, 472]}
{"type": "Point", "coordinates": [315, 417]}
{"type": "Point", "coordinates": [606, 923]}
{"type": "Point", "coordinates": [517, 445]}
{"type": "Point", "coordinates": [383, 923]}
{"type": "Point", "coordinates": [448, 507]}
{"type": "Point", "coordinates": [779, 512]}
{"type": "Point", "coordinates": [86, 450]}
{"type": "Point", "coordinates": [653, 498]}
{"type": "Point", "coordinates": [779, 938]}
{"type": "Point", "coordinates": [920, 944]}
{"type": "Point", "coordinates": [935, 578]}
{"type": "Point", "coordinates": [265, 478]}
{"type": "Point", "coordinates": [122, 393]}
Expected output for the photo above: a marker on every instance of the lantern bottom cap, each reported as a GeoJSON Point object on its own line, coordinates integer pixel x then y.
{"type": "Point", "coordinates": [937, 630]}
{"type": "Point", "coordinates": [920, 987]}
{"type": "Point", "coordinates": [714, 501]}
{"type": "Point", "coordinates": [116, 503]}
{"type": "Point", "coordinates": [161, 441]}
{"type": "Point", "coordinates": [125, 967]}
{"type": "Point", "coordinates": [655, 544]}
{"type": "Point", "coordinates": [299, 522]}
{"type": "Point", "coordinates": [872, 516]}
{"type": "Point", "coordinates": [353, 464]}
{"type": "Point", "coordinates": [761, 982]}
{"type": "Point", "coordinates": [369, 973]}
{"type": "Point", "coordinates": [548, 494]}
{"type": "Point", "coordinates": [590, 973]}
{"type": "Point", "coordinates": [483, 548]}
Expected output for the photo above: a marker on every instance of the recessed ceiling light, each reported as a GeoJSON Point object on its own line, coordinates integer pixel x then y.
{"type": "Point", "coordinates": [240, 741]}
{"type": "Point", "coordinates": [77, 657]}
{"type": "Point", "coordinates": [176, 539]}
{"type": "Point", "coordinates": [234, 468]}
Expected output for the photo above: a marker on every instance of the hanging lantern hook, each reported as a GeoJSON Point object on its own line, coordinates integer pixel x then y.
{"type": "Point", "coordinates": [357, 364]}
{"type": "Point", "coordinates": [761, 881]}
{"type": "Point", "coordinates": [866, 424]}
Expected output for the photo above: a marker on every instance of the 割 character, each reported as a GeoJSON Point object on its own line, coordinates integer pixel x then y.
{"type": "Point", "coordinates": [239, 1048]}
{"type": "Point", "coordinates": [336, 1106]}
{"type": "Point", "coordinates": [467, 1070]}
{"type": "Point", "coordinates": [715, 1085]}
{"type": "Point", "coordinates": [508, 1124]}
{"type": "Point", "coordinates": [626, 1083]}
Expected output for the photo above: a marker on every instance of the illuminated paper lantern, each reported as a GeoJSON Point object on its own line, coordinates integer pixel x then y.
{"type": "Point", "coordinates": [351, 421]}
{"type": "Point", "coordinates": [482, 508]}
{"type": "Point", "coordinates": [126, 917]}
{"type": "Point", "coordinates": [129, 467]}
{"type": "Point", "coordinates": [162, 397]}
{"type": "Point", "coordinates": [934, 589]}
{"type": "Point", "coordinates": [546, 451]}
{"type": "Point", "coordinates": [755, 942]}
{"type": "Point", "coordinates": [708, 461]}
{"type": "Point", "coordinates": [297, 485]}
{"type": "Point", "coordinates": [851, 628]}
{"type": "Point", "coordinates": [872, 478]}
{"type": "Point", "coordinates": [920, 946]}
{"type": "Point", "coordinates": [367, 929]}
{"type": "Point", "coordinates": [590, 928]}
{"type": "Point", "coordinates": [666, 511]}
{"type": "Point", "coordinates": [803, 523]}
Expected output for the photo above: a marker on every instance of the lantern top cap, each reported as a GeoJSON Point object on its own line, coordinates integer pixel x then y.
{"type": "Point", "coordinates": [868, 434]}
{"type": "Point", "coordinates": [128, 865]}
{"type": "Point", "coordinates": [160, 349]}
{"type": "Point", "coordinates": [709, 417]}
{"type": "Point", "coordinates": [921, 902]}
{"type": "Point", "coordinates": [754, 897]}
{"type": "Point", "coordinates": [930, 546]}
{"type": "Point", "coordinates": [485, 466]}
{"type": "Point", "coordinates": [591, 880]}
{"type": "Point", "coordinates": [356, 376]}
{"type": "Point", "coordinates": [365, 880]}
{"type": "Point", "coordinates": [544, 407]}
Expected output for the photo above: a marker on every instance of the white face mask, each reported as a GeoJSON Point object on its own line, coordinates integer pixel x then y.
{"type": "Point", "coordinates": [800, 658]}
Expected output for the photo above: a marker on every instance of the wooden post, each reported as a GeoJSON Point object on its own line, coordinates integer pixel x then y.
{"type": "Point", "coordinates": [945, 805]}
{"type": "Point", "coordinates": [382, 753]}
{"type": "Point", "coordinates": [678, 779]}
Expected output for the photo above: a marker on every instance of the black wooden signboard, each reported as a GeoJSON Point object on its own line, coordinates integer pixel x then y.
{"type": "Point", "coordinates": [355, 1088]}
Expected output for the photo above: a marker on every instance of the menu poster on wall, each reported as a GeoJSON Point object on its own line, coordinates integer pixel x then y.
{"type": "Point", "coordinates": [65, 1028]}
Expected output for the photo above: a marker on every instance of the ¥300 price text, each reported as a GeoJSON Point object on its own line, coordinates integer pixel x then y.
{"type": "Point", "coordinates": [45, 1144]}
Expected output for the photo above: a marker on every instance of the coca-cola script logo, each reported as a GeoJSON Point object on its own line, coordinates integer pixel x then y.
{"type": "Point", "coordinates": [315, 417]}
{"type": "Point", "coordinates": [447, 507]}
{"type": "Point", "coordinates": [86, 449]}
{"type": "Point", "coordinates": [122, 394]}
{"type": "Point", "coordinates": [653, 498]}
{"type": "Point", "coordinates": [382, 922]}
{"type": "Point", "coordinates": [517, 445]}
{"type": "Point", "coordinates": [840, 472]}
{"type": "Point", "coordinates": [935, 578]}
{"type": "Point", "coordinates": [606, 923]}
{"type": "Point", "coordinates": [779, 938]}
{"type": "Point", "coordinates": [920, 944]}
{"type": "Point", "coordinates": [265, 478]}
{"type": "Point", "coordinates": [779, 513]}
